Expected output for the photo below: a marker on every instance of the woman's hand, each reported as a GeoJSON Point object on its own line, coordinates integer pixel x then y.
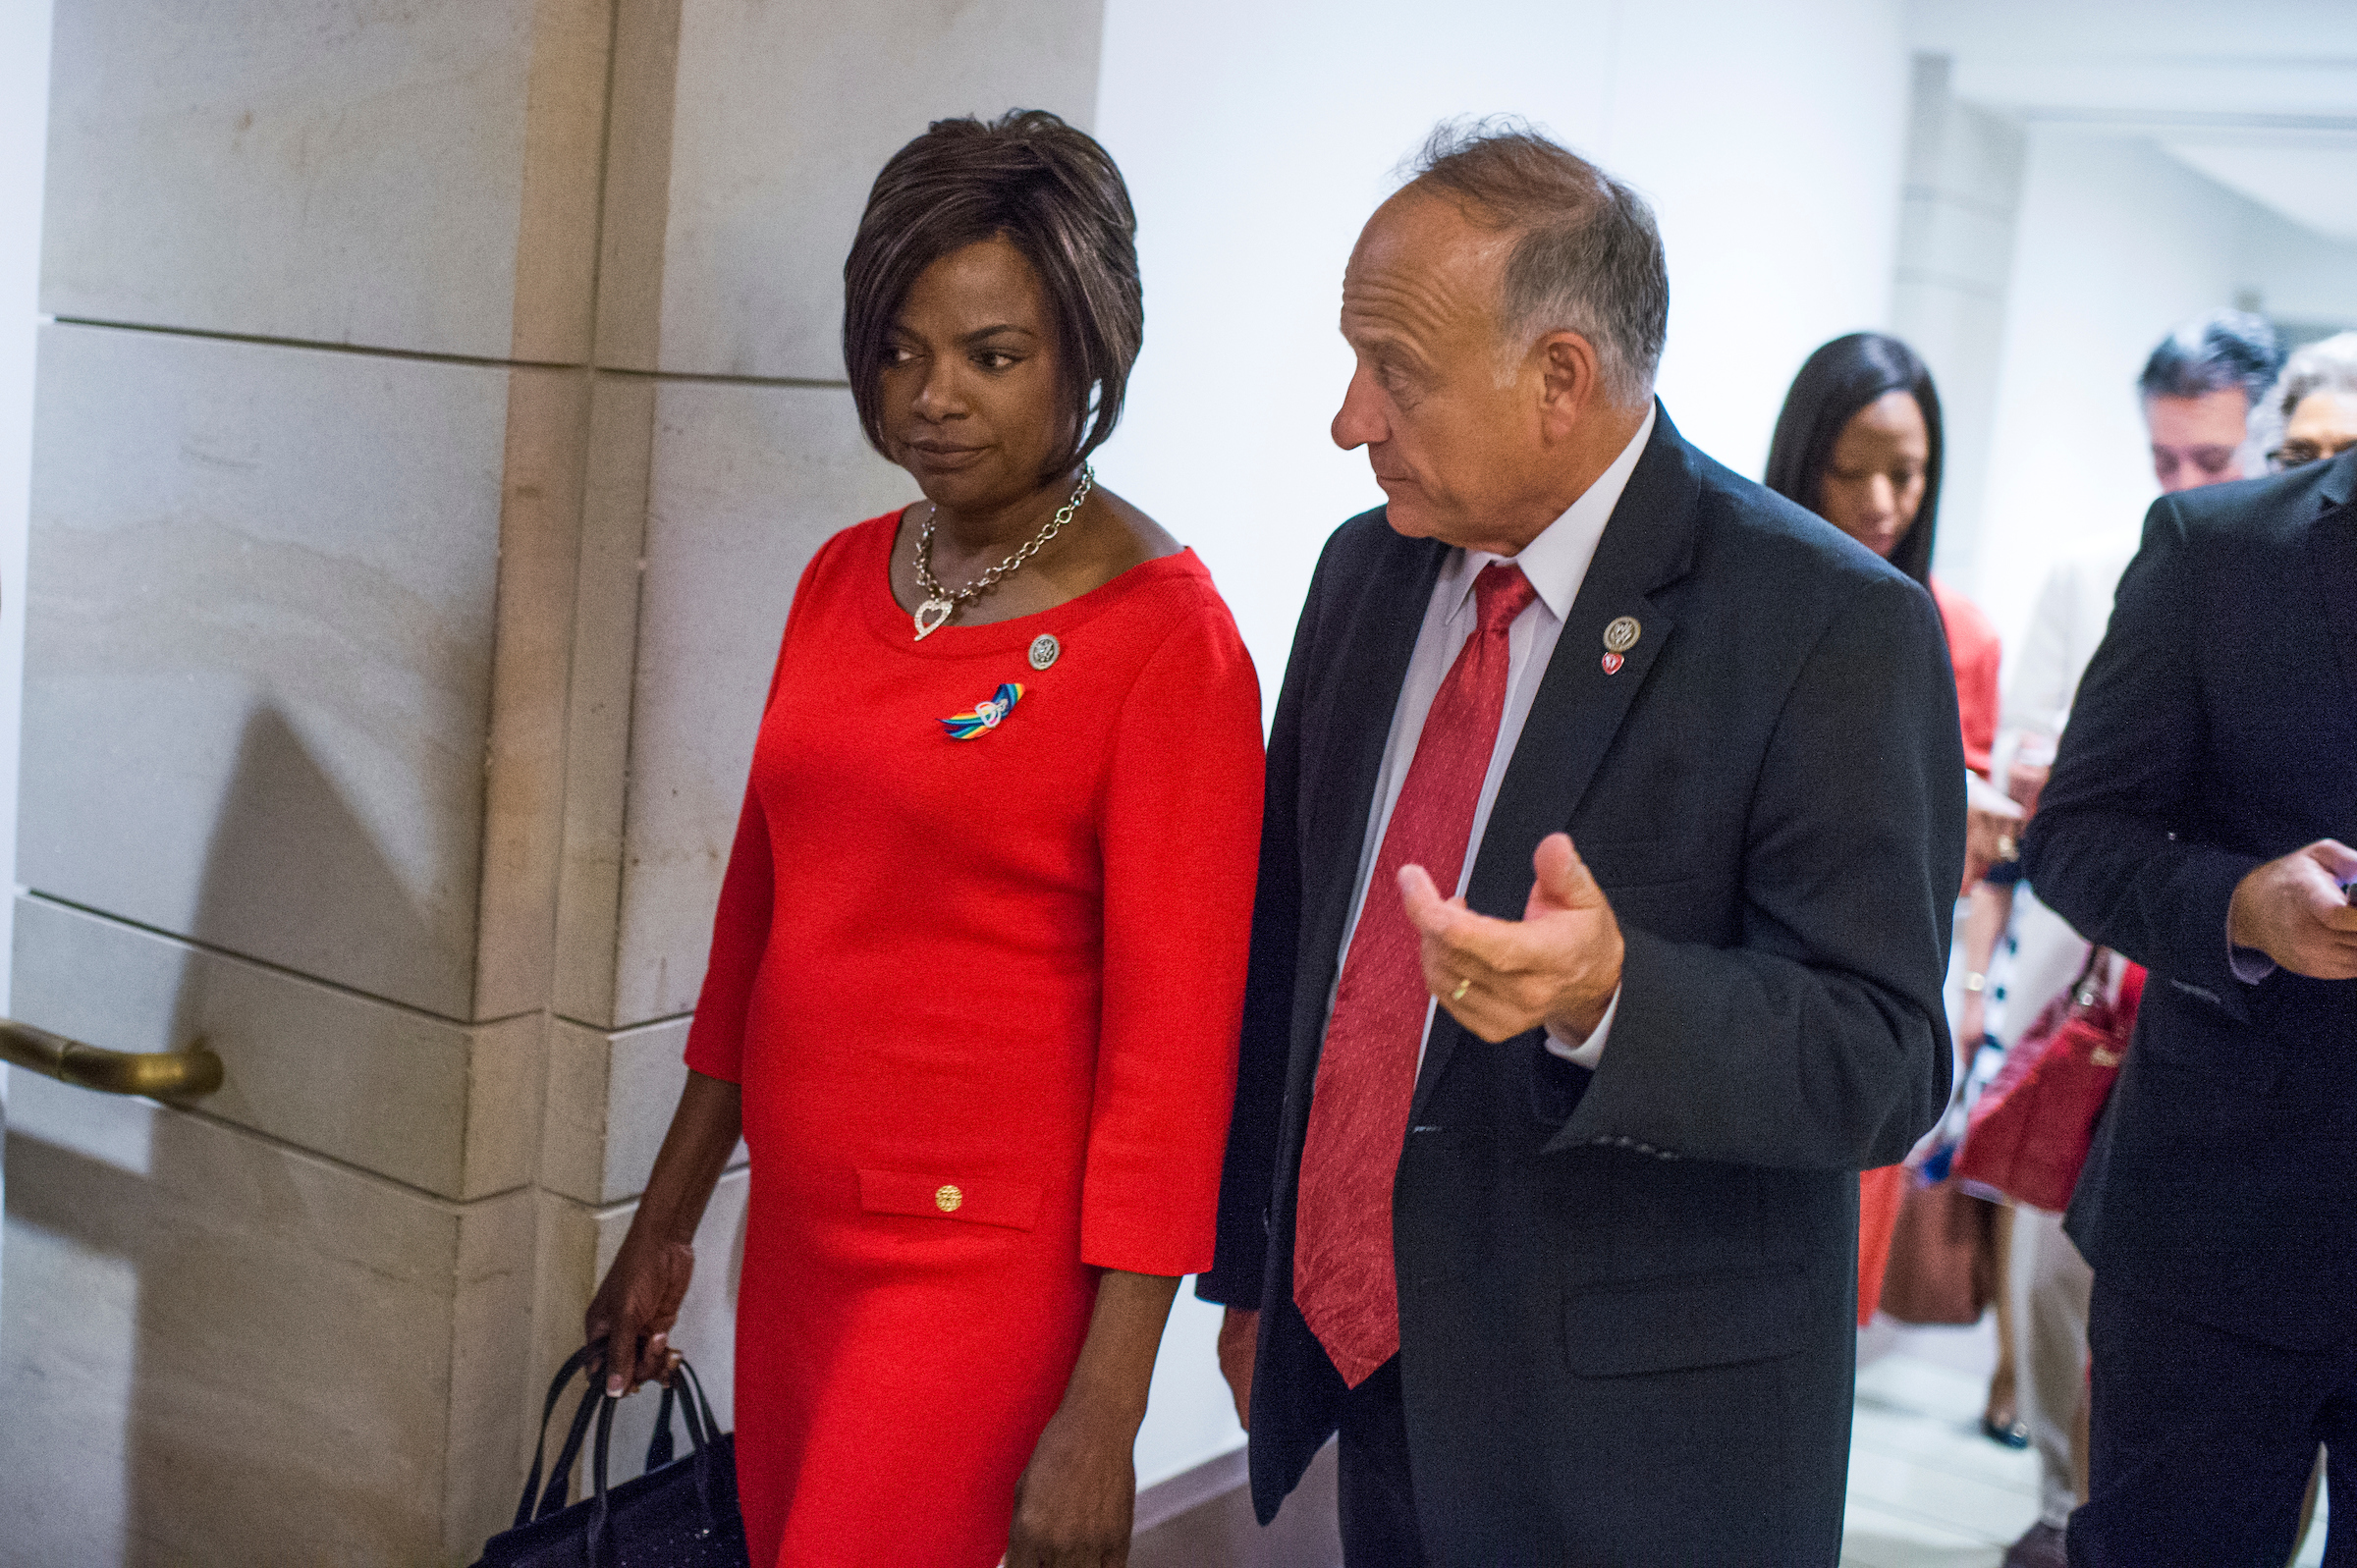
{"type": "Point", "coordinates": [634, 1310]}
{"type": "Point", "coordinates": [1239, 1347]}
{"type": "Point", "coordinates": [638, 1301]}
{"type": "Point", "coordinates": [1073, 1505]}
{"type": "Point", "coordinates": [1992, 823]}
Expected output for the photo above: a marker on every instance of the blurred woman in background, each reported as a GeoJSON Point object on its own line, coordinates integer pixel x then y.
{"type": "Point", "coordinates": [1859, 444]}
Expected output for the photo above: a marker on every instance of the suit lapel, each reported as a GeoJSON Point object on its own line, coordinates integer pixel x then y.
{"type": "Point", "coordinates": [1380, 617]}
{"type": "Point", "coordinates": [1648, 544]}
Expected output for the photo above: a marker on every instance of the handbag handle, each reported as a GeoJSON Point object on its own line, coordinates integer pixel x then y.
{"type": "Point", "coordinates": [525, 1513]}
{"type": "Point", "coordinates": [2083, 992]}
{"type": "Point", "coordinates": [595, 1403]}
{"type": "Point", "coordinates": [701, 1427]}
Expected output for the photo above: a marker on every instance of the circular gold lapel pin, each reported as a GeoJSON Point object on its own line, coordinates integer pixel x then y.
{"type": "Point", "coordinates": [1619, 637]}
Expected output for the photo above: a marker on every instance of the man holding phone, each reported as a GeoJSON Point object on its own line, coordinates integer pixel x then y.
{"type": "Point", "coordinates": [2200, 820]}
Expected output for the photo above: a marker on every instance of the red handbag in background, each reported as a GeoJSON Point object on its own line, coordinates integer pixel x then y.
{"type": "Point", "coordinates": [2029, 1135]}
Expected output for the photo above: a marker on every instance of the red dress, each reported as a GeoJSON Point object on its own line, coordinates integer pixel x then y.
{"type": "Point", "coordinates": [1974, 651]}
{"type": "Point", "coordinates": [982, 997]}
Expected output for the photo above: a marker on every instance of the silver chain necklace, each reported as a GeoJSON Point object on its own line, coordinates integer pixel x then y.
{"type": "Point", "coordinates": [941, 603]}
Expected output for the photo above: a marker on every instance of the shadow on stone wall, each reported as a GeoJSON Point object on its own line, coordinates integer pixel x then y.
{"type": "Point", "coordinates": [289, 850]}
{"type": "Point", "coordinates": [220, 1349]}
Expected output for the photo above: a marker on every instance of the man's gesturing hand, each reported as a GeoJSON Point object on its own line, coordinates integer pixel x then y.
{"type": "Point", "coordinates": [1558, 964]}
{"type": "Point", "coordinates": [2294, 911]}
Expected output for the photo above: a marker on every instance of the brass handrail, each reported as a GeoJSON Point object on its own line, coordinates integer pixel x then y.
{"type": "Point", "coordinates": [163, 1074]}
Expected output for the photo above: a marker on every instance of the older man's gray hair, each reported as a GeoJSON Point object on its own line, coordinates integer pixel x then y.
{"type": "Point", "coordinates": [2329, 364]}
{"type": "Point", "coordinates": [1586, 254]}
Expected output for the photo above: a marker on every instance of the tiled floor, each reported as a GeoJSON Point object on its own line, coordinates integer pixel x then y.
{"type": "Point", "coordinates": [1925, 1489]}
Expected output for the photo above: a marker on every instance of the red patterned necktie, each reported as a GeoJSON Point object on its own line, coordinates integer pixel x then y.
{"type": "Point", "coordinates": [1342, 1274]}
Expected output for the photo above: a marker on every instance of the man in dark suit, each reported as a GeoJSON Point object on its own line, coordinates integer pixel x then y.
{"type": "Point", "coordinates": [1569, 1260]}
{"type": "Point", "coordinates": [2199, 821]}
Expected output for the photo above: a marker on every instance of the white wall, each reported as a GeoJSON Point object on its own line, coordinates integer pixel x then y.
{"type": "Point", "coordinates": [1257, 138]}
{"type": "Point", "coordinates": [2118, 243]}
{"type": "Point", "coordinates": [23, 125]}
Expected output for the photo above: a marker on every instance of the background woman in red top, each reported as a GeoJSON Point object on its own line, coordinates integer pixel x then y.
{"type": "Point", "coordinates": [1858, 442]}
{"type": "Point", "coordinates": [979, 956]}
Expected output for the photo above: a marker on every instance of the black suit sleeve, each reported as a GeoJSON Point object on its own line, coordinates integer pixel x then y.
{"type": "Point", "coordinates": [1818, 1041]}
{"type": "Point", "coordinates": [1248, 1176]}
{"type": "Point", "coordinates": [2105, 851]}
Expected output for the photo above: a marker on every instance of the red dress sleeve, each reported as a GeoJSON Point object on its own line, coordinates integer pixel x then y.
{"type": "Point", "coordinates": [740, 934]}
{"type": "Point", "coordinates": [1975, 652]}
{"type": "Point", "coordinates": [741, 924]}
{"type": "Point", "coordinates": [1180, 837]}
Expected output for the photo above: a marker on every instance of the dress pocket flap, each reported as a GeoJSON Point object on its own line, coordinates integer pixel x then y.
{"type": "Point", "coordinates": [988, 1200]}
{"type": "Point", "coordinates": [1679, 1325]}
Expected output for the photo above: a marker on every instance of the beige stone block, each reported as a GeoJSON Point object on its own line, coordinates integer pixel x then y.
{"type": "Point", "coordinates": [610, 1100]}
{"type": "Point", "coordinates": [217, 1349]}
{"type": "Point", "coordinates": [417, 176]}
{"type": "Point", "coordinates": [451, 1108]}
{"type": "Point", "coordinates": [698, 529]}
{"type": "Point", "coordinates": [747, 133]}
{"type": "Point", "coordinates": [599, 702]}
{"type": "Point", "coordinates": [297, 630]}
{"type": "Point", "coordinates": [576, 1244]}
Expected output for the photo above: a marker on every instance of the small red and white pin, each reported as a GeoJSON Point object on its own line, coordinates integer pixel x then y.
{"type": "Point", "coordinates": [1619, 637]}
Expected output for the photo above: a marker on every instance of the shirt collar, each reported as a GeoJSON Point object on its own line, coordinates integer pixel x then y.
{"type": "Point", "coordinates": [1556, 561]}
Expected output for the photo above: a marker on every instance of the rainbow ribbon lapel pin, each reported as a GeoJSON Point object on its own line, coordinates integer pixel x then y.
{"type": "Point", "coordinates": [986, 715]}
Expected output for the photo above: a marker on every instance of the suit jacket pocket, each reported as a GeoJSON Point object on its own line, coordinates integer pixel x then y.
{"type": "Point", "coordinates": [1679, 1325]}
{"type": "Point", "coordinates": [2182, 1032]}
{"type": "Point", "coordinates": [936, 1195]}
{"type": "Point", "coordinates": [1637, 862]}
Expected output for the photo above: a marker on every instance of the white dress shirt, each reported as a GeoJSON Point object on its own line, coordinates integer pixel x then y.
{"type": "Point", "coordinates": [1556, 562]}
{"type": "Point", "coordinates": [2074, 608]}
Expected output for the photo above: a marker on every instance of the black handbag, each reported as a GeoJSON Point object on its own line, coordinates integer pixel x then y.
{"type": "Point", "coordinates": [682, 1513]}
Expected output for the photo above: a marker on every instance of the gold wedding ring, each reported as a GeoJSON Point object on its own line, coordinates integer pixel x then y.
{"type": "Point", "coordinates": [1463, 986]}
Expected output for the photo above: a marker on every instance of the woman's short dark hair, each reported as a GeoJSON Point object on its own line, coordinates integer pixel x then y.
{"type": "Point", "coordinates": [1840, 379]}
{"type": "Point", "coordinates": [1057, 197]}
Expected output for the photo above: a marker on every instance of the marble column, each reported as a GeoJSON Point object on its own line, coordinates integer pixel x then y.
{"type": "Point", "coordinates": [440, 402]}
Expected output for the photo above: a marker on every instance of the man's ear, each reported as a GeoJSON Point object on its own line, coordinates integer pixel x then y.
{"type": "Point", "coordinates": [1571, 382]}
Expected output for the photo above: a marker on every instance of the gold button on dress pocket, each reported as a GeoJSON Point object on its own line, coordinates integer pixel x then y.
{"type": "Point", "coordinates": [976, 1199]}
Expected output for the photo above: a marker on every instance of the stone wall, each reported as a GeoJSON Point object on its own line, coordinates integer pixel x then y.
{"type": "Point", "coordinates": [440, 400]}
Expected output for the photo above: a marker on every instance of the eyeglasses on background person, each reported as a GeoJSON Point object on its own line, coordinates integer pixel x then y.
{"type": "Point", "coordinates": [2315, 401]}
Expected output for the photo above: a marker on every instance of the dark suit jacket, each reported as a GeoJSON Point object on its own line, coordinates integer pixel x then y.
{"type": "Point", "coordinates": [2216, 728]}
{"type": "Point", "coordinates": [1625, 1302]}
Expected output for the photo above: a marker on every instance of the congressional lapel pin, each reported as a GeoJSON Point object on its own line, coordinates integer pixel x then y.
{"type": "Point", "coordinates": [1044, 649]}
{"type": "Point", "coordinates": [984, 717]}
{"type": "Point", "coordinates": [1619, 637]}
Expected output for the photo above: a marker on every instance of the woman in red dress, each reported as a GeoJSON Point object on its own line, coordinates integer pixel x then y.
{"type": "Point", "coordinates": [979, 956]}
{"type": "Point", "coordinates": [1859, 443]}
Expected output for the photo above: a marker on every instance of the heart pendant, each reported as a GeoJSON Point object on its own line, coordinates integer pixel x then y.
{"type": "Point", "coordinates": [930, 614]}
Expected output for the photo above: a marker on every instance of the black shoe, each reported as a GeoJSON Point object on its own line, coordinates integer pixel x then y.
{"type": "Point", "coordinates": [2042, 1548]}
{"type": "Point", "coordinates": [2012, 1436]}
